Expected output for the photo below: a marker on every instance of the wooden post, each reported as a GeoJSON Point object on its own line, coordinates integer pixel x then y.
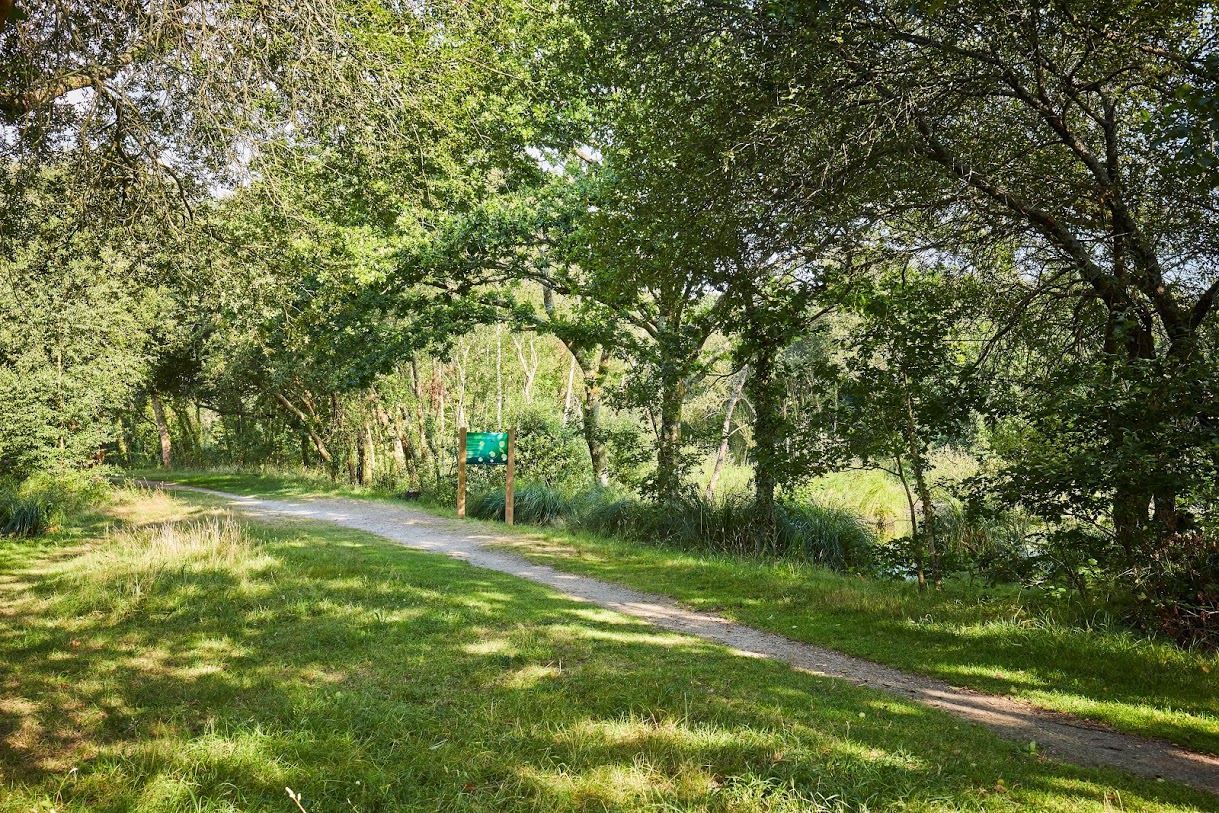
{"type": "Point", "coordinates": [461, 473]}
{"type": "Point", "coordinates": [508, 494]}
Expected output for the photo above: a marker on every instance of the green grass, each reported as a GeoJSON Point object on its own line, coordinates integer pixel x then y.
{"type": "Point", "coordinates": [989, 641]}
{"type": "Point", "coordinates": [275, 485]}
{"type": "Point", "coordinates": [208, 665]}
{"type": "Point", "coordinates": [986, 641]}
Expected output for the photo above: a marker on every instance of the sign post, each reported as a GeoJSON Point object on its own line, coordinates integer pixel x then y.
{"type": "Point", "coordinates": [486, 449]}
{"type": "Point", "coordinates": [509, 501]}
{"type": "Point", "coordinates": [461, 473]}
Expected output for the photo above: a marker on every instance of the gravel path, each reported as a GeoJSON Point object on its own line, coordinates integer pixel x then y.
{"type": "Point", "coordinates": [1058, 735]}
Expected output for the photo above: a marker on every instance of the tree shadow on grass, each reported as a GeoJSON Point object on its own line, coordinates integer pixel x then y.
{"type": "Point", "coordinates": [370, 677]}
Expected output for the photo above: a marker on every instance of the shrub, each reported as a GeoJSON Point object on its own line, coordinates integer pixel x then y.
{"type": "Point", "coordinates": [829, 536]}
{"type": "Point", "coordinates": [616, 518]}
{"type": "Point", "coordinates": [1177, 590]}
{"type": "Point", "coordinates": [36, 506]}
{"type": "Point", "coordinates": [548, 452]}
{"type": "Point", "coordinates": [66, 490]}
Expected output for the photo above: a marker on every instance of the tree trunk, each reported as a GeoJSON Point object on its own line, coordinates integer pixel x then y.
{"type": "Point", "coordinates": [916, 536]}
{"type": "Point", "coordinates": [529, 368]}
{"type": "Point", "coordinates": [721, 455]}
{"type": "Point", "coordinates": [393, 428]}
{"type": "Point", "coordinates": [929, 519]}
{"type": "Point", "coordinates": [594, 378]}
{"type": "Point", "coordinates": [307, 425]}
{"type": "Point", "coordinates": [399, 453]}
{"type": "Point", "coordinates": [437, 438]}
{"type": "Point", "coordinates": [187, 430]}
{"type": "Point", "coordinates": [918, 466]}
{"type": "Point", "coordinates": [1166, 514]}
{"type": "Point", "coordinates": [439, 386]}
{"type": "Point", "coordinates": [499, 375]}
{"type": "Point", "coordinates": [411, 458]}
{"type": "Point", "coordinates": [462, 420]}
{"type": "Point", "coordinates": [121, 439]}
{"type": "Point", "coordinates": [1131, 507]}
{"type": "Point", "coordinates": [767, 437]}
{"type": "Point", "coordinates": [368, 455]}
{"type": "Point", "coordinates": [420, 413]}
{"type": "Point", "coordinates": [668, 450]}
{"type": "Point", "coordinates": [571, 383]}
{"type": "Point", "coordinates": [158, 412]}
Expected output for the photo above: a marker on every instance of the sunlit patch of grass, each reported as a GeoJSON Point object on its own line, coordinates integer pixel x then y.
{"type": "Point", "coordinates": [369, 677]}
{"type": "Point", "coordinates": [268, 482]}
{"type": "Point", "coordinates": [135, 505]}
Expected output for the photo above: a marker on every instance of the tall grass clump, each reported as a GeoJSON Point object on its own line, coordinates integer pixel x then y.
{"type": "Point", "coordinates": [533, 503]}
{"type": "Point", "coordinates": [169, 565]}
{"type": "Point", "coordinates": [832, 537]}
{"type": "Point", "coordinates": [26, 517]}
{"type": "Point", "coordinates": [37, 506]}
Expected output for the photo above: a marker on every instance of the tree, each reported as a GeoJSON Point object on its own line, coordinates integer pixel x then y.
{"type": "Point", "coordinates": [1031, 126]}
{"type": "Point", "coordinates": [76, 309]}
{"type": "Point", "coordinates": [905, 383]}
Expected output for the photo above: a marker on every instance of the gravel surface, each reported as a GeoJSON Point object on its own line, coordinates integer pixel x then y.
{"type": "Point", "coordinates": [1057, 735]}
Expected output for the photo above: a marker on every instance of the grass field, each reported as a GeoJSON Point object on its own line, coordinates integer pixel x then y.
{"type": "Point", "coordinates": [186, 661]}
{"type": "Point", "coordinates": [988, 641]}
{"type": "Point", "coordinates": [189, 662]}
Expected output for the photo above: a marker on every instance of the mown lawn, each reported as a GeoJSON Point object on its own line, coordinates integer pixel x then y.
{"type": "Point", "coordinates": [989, 641]}
{"type": "Point", "coordinates": [197, 663]}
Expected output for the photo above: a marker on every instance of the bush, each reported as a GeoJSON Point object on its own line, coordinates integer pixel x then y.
{"type": "Point", "coordinates": [1177, 590]}
{"type": "Point", "coordinates": [67, 490]}
{"type": "Point", "coordinates": [548, 452]}
{"type": "Point", "coordinates": [832, 537]}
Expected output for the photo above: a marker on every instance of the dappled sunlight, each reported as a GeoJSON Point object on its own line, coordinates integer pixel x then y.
{"type": "Point", "coordinates": [487, 600]}
{"type": "Point", "coordinates": [614, 785]}
{"type": "Point", "coordinates": [490, 646]}
{"type": "Point", "coordinates": [136, 507]}
{"type": "Point", "coordinates": [542, 547]}
{"type": "Point", "coordinates": [1018, 679]}
{"type": "Point", "coordinates": [637, 733]}
{"type": "Point", "coordinates": [528, 677]}
{"type": "Point", "coordinates": [599, 615]}
{"type": "Point", "coordinates": [984, 639]}
{"type": "Point", "coordinates": [666, 639]}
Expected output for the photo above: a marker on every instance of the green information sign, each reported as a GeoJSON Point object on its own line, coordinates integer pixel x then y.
{"type": "Point", "coordinates": [486, 448]}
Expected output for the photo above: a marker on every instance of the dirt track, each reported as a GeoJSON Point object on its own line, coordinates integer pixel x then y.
{"type": "Point", "coordinates": [1060, 736]}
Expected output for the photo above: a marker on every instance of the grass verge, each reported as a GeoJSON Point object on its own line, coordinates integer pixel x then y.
{"type": "Point", "coordinates": [191, 662]}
